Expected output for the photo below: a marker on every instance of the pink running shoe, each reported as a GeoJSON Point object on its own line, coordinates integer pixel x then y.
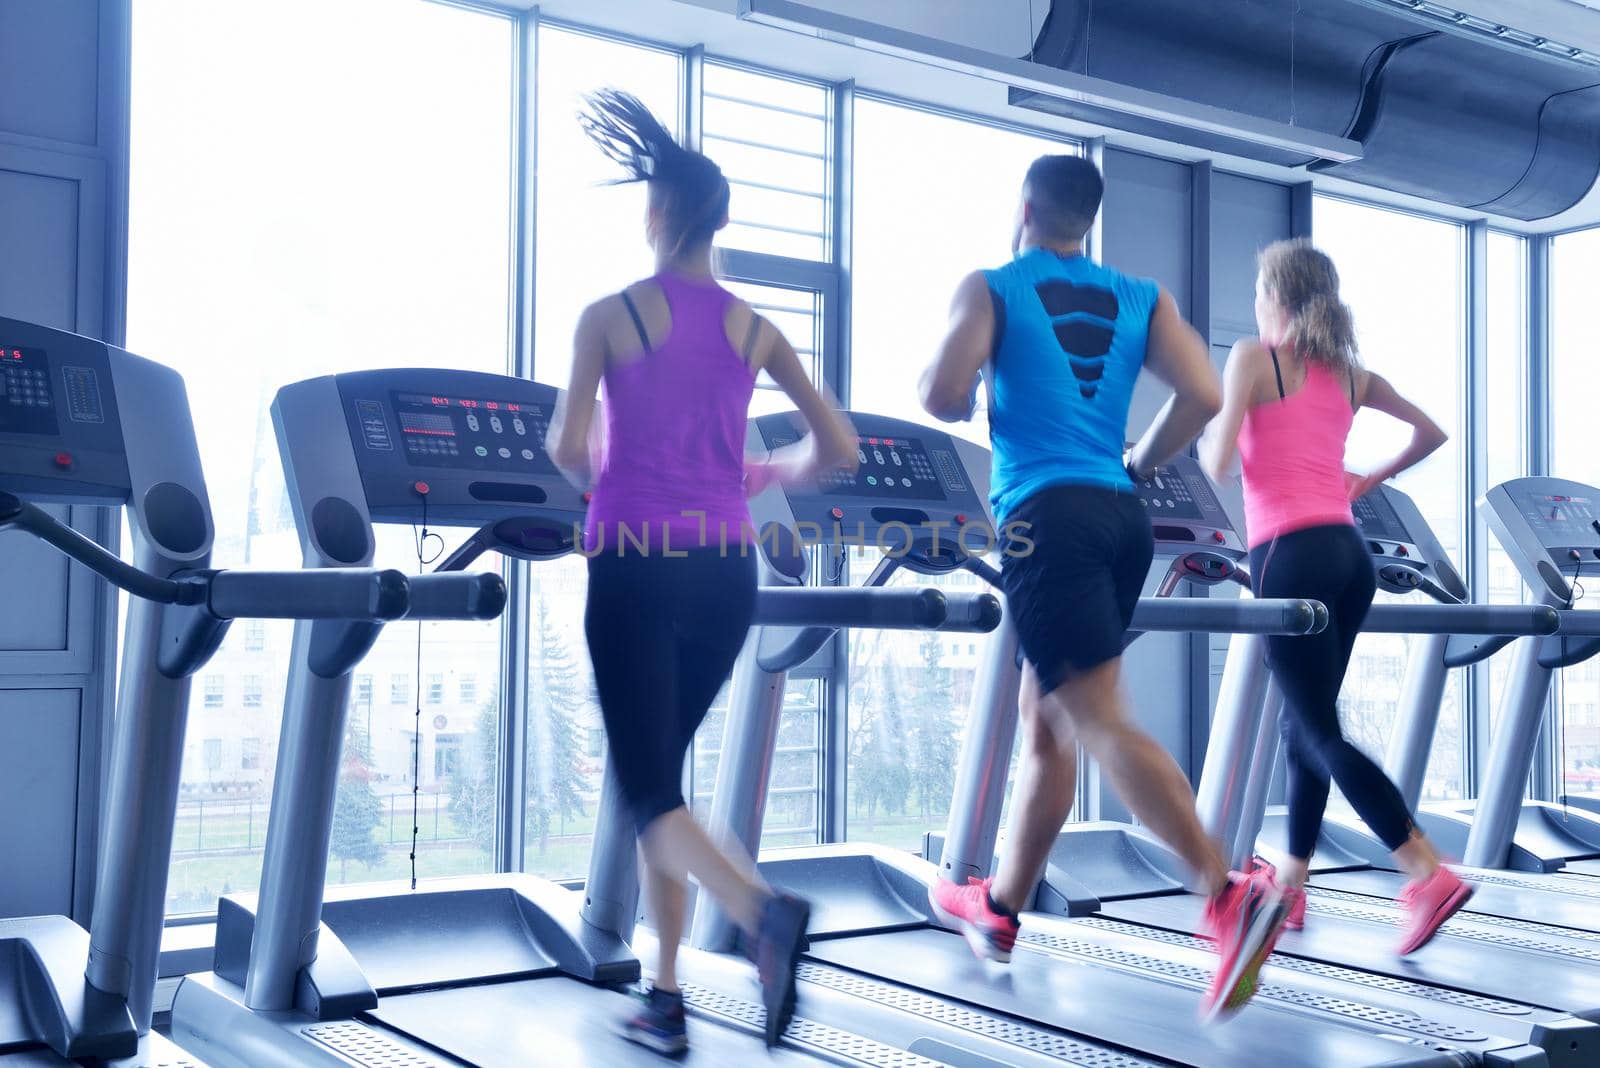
{"type": "Point", "coordinates": [991, 932]}
{"type": "Point", "coordinates": [1429, 902]}
{"type": "Point", "coordinates": [1296, 920]}
{"type": "Point", "coordinates": [1244, 921]}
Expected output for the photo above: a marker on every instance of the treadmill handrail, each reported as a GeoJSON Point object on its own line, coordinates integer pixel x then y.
{"type": "Point", "coordinates": [343, 593]}
{"type": "Point", "coordinates": [1220, 616]}
{"type": "Point", "coordinates": [1498, 619]}
{"type": "Point", "coordinates": [821, 612]}
{"type": "Point", "coordinates": [457, 595]}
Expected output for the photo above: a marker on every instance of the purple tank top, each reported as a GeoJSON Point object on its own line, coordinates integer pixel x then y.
{"type": "Point", "coordinates": [673, 471]}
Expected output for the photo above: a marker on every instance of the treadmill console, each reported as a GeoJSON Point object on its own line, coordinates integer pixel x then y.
{"type": "Point", "coordinates": [1184, 511]}
{"type": "Point", "coordinates": [1550, 527]}
{"type": "Point", "coordinates": [910, 475]}
{"type": "Point", "coordinates": [447, 447]}
{"type": "Point", "coordinates": [1403, 546]}
{"type": "Point", "coordinates": [60, 434]}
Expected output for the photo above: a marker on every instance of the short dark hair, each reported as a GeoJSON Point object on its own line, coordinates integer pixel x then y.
{"type": "Point", "coordinates": [1065, 192]}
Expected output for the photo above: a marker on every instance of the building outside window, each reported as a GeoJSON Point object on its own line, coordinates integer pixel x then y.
{"type": "Point", "coordinates": [216, 690]}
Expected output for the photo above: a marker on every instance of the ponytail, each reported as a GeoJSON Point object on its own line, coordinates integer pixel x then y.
{"type": "Point", "coordinates": [1303, 281]}
{"type": "Point", "coordinates": [689, 192]}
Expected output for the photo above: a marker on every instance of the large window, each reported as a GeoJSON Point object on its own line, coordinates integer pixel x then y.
{"type": "Point", "coordinates": [1402, 276]}
{"type": "Point", "coordinates": [770, 136]}
{"type": "Point", "coordinates": [591, 238]}
{"type": "Point", "coordinates": [934, 198]}
{"type": "Point", "coordinates": [355, 214]}
{"type": "Point", "coordinates": [1574, 445]}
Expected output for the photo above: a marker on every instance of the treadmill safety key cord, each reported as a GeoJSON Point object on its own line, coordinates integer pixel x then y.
{"type": "Point", "coordinates": [421, 489]}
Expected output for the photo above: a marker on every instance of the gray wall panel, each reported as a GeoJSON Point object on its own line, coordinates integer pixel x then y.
{"type": "Point", "coordinates": [63, 96]}
{"type": "Point", "coordinates": [35, 575]}
{"type": "Point", "coordinates": [48, 76]}
{"type": "Point", "coordinates": [1247, 215]}
{"type": "Point", "coordinates": [39, 733]}
{"type": "Point", "coordinates": [39, 242]}
{"type": "Point", "coordinates": [1147, 229]}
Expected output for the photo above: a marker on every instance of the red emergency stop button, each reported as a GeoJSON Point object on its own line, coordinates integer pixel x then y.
{"type": "Point", "coordinates": [64, 461]}
{"type": "Point", "coordinates": [960, 518]}
{"type": "Point", "coordinates": [1400, 550]}
{"type": "Point", "coordinates": [837, 513]}
{"type": "Point", "coordinates": [422, 488]}
{"type": "Point", "coordinates": [1218, 537]}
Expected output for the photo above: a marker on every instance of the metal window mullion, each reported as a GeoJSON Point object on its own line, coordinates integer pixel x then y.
{"type": "Point", "coordinates": [1474, 409]}
{"type": "Point", "coordinates": [693, 103]}
{"type": "Point", "coordinates": [834, 811]}
{"type": "Point", "coordinates": [1539, 463]}
{"type": "Point", "coordinates": [511, 799]}
{"type": "Point", "coordinates": [1198, 644]}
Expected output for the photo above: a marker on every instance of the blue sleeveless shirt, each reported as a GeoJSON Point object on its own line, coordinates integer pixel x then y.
{"type": "Point", "coordinates": [1071, 342]}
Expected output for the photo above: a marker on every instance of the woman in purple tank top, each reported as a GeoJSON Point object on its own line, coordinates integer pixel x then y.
{"type": "Point", "coordinates": [1289, 398]}
{"type": "Point", "coordinates": [672, 575]}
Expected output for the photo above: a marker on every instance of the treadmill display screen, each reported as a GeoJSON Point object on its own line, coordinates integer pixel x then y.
{"type": "Point", "coordinates": [1377, 519]}
{"type": "Point", "coordinates": [1168, 495]}
{"type": "Point", "coordinates": [1570, 517]}
{"type": "Point", "coordinates": [27, 400]}
{"type": "Point", "coordinates": [462, 432]}
{"type": "Point", "coordinates": [891, 469]}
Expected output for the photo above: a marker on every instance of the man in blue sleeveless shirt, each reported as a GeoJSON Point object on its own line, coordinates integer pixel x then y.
{"type": "Point", "coordinates": [1060, 341]}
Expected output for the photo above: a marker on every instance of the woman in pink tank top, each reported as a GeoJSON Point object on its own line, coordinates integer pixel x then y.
{"type": "Point", "coordinates": [1289, 398]}
{"type": "Point", "coordinates": [672, 577]}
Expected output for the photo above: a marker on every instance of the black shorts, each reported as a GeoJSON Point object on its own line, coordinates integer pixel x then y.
{"type": "Point", "coordinates": [1072, 594]}
{"type": "Point", "coordinates": [663, 633]}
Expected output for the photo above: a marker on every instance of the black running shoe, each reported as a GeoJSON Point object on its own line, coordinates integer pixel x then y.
{"type": "Point", "coordinates": [780, 941]}
{"type": "Point", "coordinates": [659, 1023]}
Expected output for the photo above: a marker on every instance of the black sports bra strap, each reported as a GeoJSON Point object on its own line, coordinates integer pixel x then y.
{"type": "Point", "coordinates": [638, 321]}
{"type": "Point", "coordinates": [747, 350]}
{"type": "Point", "coordinates": [1277, 372]}
{"type": "Point", "coordinates": [1353, 388]}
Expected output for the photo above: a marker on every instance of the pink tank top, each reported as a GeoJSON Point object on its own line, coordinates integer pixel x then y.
{"type": "Point", "coordinates": [1292, 452]}
{"type": "Point", "coordinates": [673, 472]}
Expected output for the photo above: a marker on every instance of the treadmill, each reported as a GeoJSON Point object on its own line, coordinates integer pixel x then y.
{"type": "Point", "coordinates": [102, 426]}
{"type": "Point", "coordinates": [495, 970]}
{"type": "Point", "coordinates": [1082, 996]}
{"type": "Point", "coordinates": [1349, 859]}
{"type": "Point", "coordinates": [1482, 981]}
{"type": "Point", "coordinates": [1550, 527]}
{"type": "Point", "coordinates": [1124, 884]}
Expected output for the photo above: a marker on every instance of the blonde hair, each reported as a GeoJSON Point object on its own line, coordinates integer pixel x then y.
{"type": "Point", "coordinates": [1303, 281]}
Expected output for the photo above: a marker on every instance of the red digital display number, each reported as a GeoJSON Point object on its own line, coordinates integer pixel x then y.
{"type": "Point", "coordinates": [513, 407]}
{"type": "Point", "coordinates": [441, 402]}
{"type": "Point", "coordinates": [468, 403]}
{"type": "Point", "coordinates": [492, 406]}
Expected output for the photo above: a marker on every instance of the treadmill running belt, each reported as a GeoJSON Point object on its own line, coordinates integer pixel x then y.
{"type": "Point", "coordinates": [549, 1021]}
{"type": "Point", "coordinates": [1471, 953]}
{"type": "Point", "coordinates": [562, 1021]}
{"type": "Point", "coordinates": [1496, 895]}
{"type": "Point", "coordinates": [1155, 1015]}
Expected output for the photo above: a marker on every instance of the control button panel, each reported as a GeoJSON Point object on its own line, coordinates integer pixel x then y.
{"type": "Point", "coordinates": [27, 400]}
{"type": "Point", "coordinates": [466, 432]}
{"type": "Point", "coordinates": [1168, 495]}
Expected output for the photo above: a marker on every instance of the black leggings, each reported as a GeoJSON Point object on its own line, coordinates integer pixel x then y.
{"type": "Point", "coordinates": [1328, 564]}
{"type": "Point", "coordinates": [663, 634]}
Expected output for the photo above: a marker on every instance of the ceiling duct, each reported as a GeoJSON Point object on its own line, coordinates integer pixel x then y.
{"type": "Point", "coordinates": [1123, 105]}
{"type": "Point", "coordinates": [1459, 116]}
